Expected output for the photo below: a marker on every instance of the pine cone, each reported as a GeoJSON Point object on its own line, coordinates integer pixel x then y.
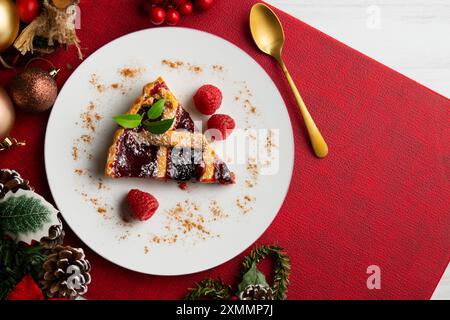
{"type": "Point", "coordinates": [11, 180]}
{"type": "Point", "coordinates": [66, 273]}
{"type": "Point", "coordinates": [55, 237]}
{"type": "Point", "coordinates": [256, 292]}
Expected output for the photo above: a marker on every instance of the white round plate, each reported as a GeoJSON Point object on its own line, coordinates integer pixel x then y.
{"type": "Point", "coordinates": [213, 223]}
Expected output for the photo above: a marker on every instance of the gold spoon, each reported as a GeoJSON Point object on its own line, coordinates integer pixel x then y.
{"type": "Point", "coordinates": [268, 34]}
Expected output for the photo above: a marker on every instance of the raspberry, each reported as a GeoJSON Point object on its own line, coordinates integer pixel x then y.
{"type": "Point", "coordinates": [223, 123]}
{"type": "Point", "coordinates": [208, 99]}
{"type": "Point", "coordinates": [143, 204]}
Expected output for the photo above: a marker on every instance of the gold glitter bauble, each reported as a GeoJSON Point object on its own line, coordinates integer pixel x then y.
{"type": "Point", "coordinates": [9, 24]}
{"type": "Point", "coordinates": [34, 90]}
{"type": "Point", "coordinates": [7, 114]}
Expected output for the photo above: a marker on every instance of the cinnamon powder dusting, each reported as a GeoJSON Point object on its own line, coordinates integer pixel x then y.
{"type": "Point", "coordinates": [218, 68]}
{"type": "Point", "coordinates": [75, 153]}
{"type": "Point", "coordinates": [253, 171]}
{"type": "Point", "coordinates": [95, 81]}
{"type": "Point", "coordinates": [187, 221]}
{"type": "Point", "coordinates": [90, 118]}
{"type": "Point", "coordinates": [130, 72]}
{"type": "Point", "coordinates": [178, 65]}
{"type": "Point", "coordinates": [244, 204]}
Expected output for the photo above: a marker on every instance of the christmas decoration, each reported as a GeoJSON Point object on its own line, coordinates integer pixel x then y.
{"type": "Point", "coordinates": [210, 288]}
{"type": "Point", "coordinates": [62, 272]}
{"type": "Point", "coordinates": [253, 277]}
{"type": "Point", "coordinates": [54, 238]}
{"type": "Point", "coordinates": [186, 8]}
{"type": "Point", "coordinates": [55, 24]}
{"type": "Point", "coordinates": [282, 267]}
{"type": "Point", "coordinates": [27, 289]}
{"type": "Point", "coordinates": [28, 9]}
{"type": "Point", "coordinates": [170, 11]}
{"type": "Point", "coordinates": [7, 116]}
{"type": "Point", "coordinates": [204, 4]}
{"type": "Point", "coordinates": [11, 181]}
{"type": "Point", "coordinates": [9, 24]}
{"type": "Point", "coordinates": [25, 216]}
{"type": "Point", "coordinates": [256, 292]}
{"type": "Point", "coordinates": [172, 17]}
{"type": "Point", "coordinates": [66, 273]}
{"type": "Point", "coordinates": [34, 89]}
{"type": "Point", "coordinates": [157, 15]}
{"type": "Point", "coordinates": [17, 261]}
{"type": "Point", "coordinates": [254, 285]}
{"type": "Point", "coordinates": [63, 4]}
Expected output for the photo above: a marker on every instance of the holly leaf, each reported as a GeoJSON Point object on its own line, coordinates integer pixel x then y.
{"type": "Point", "coordinates": [158, 127]}
{"type": "Point", "coordinates": [252, 277]}
{"type": "Point", "coordinates": [26, 216]}
{"type": "Point", "coordinates": [128, 121]}
{"type": "Point", "coordinates": [156, 110]}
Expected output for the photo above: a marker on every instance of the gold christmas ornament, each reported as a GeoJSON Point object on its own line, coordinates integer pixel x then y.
{"type": "Point", "coordinates": [9, 24]}
{"type": "Point", "coordinates": [7, 114]}
{"type": "Point", "coordinates": [34, 89]}
{"type": "Point", "coordinates": [7, 117]}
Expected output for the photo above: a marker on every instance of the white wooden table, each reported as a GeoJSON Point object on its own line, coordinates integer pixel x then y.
{"type": "Point", "coordinates": [410, 36]}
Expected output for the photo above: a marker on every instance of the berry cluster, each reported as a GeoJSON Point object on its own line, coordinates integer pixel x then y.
{"type": "Point", "coordinates": [171, 11]}
{"type": "Point", "coordinates": [208, 100]}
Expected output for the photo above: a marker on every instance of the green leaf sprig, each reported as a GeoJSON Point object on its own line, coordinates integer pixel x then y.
{"type": "Point", "coordinates": [158, 127]}
{"type": "Point", "coordinates": [156, 110]}
{"type": "Point", "coordinates": [131, 121]}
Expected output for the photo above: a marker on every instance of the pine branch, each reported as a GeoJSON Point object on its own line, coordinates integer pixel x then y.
{"type": "Point", "coordinates": [210, 288]}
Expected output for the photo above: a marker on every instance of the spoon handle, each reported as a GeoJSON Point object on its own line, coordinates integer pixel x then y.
{"type": "Point", "coordinates": [318, 143]}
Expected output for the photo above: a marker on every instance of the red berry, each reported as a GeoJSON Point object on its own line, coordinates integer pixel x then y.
{"type": "Point", "coordinates": [172, 17]}
{"type": "Point", "coordinates": [142, 204]}
{"type": "Point", "coordinates": [186, 9]}
{"type": "Point", "coordinates": [223, 124]}
{"type": "Point", "coordinates": [208, 99]}
{"type": "Point", "coordinates": [204, 4]}
{"type": "Point", "coordinates": [157, 15]}
{"type": "Point", "coordinates": [179, 2]}
{"type": "Point", "coordinates": [156, 1]}
{"type": "Point", "coordinates": [28, 9]}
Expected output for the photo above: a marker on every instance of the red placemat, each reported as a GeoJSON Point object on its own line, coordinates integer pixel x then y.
{"type": "Point", "coordinates": [380, 198]}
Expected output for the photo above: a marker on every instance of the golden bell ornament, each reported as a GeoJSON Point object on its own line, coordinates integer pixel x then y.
{"type": "Point", "coordinates": [9, 24]}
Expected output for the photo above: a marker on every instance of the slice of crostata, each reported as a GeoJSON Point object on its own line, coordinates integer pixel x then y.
{"type": "Point", "coordinates": [179, 154]}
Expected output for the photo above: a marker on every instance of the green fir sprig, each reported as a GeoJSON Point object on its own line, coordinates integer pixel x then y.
{"type": "Point", "coordinates": [210, 288]}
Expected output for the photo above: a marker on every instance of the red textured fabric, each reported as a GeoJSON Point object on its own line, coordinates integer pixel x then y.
{"type": "Point", "coordinates": [381, 197]}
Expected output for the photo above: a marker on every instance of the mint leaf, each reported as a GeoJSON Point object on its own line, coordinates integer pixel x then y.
{"type": "Point", "coordinates": [252, 277]}
{"type": "Point", "coordinates": [158, 127]}
{"type": "Point", "coordinates": [156, 110]}
{"type": "Point", "coordinates": [128, 121]}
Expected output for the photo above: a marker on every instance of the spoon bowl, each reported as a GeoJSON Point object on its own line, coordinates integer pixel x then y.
{"type": "Point", "coordinates": [266, 30]}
